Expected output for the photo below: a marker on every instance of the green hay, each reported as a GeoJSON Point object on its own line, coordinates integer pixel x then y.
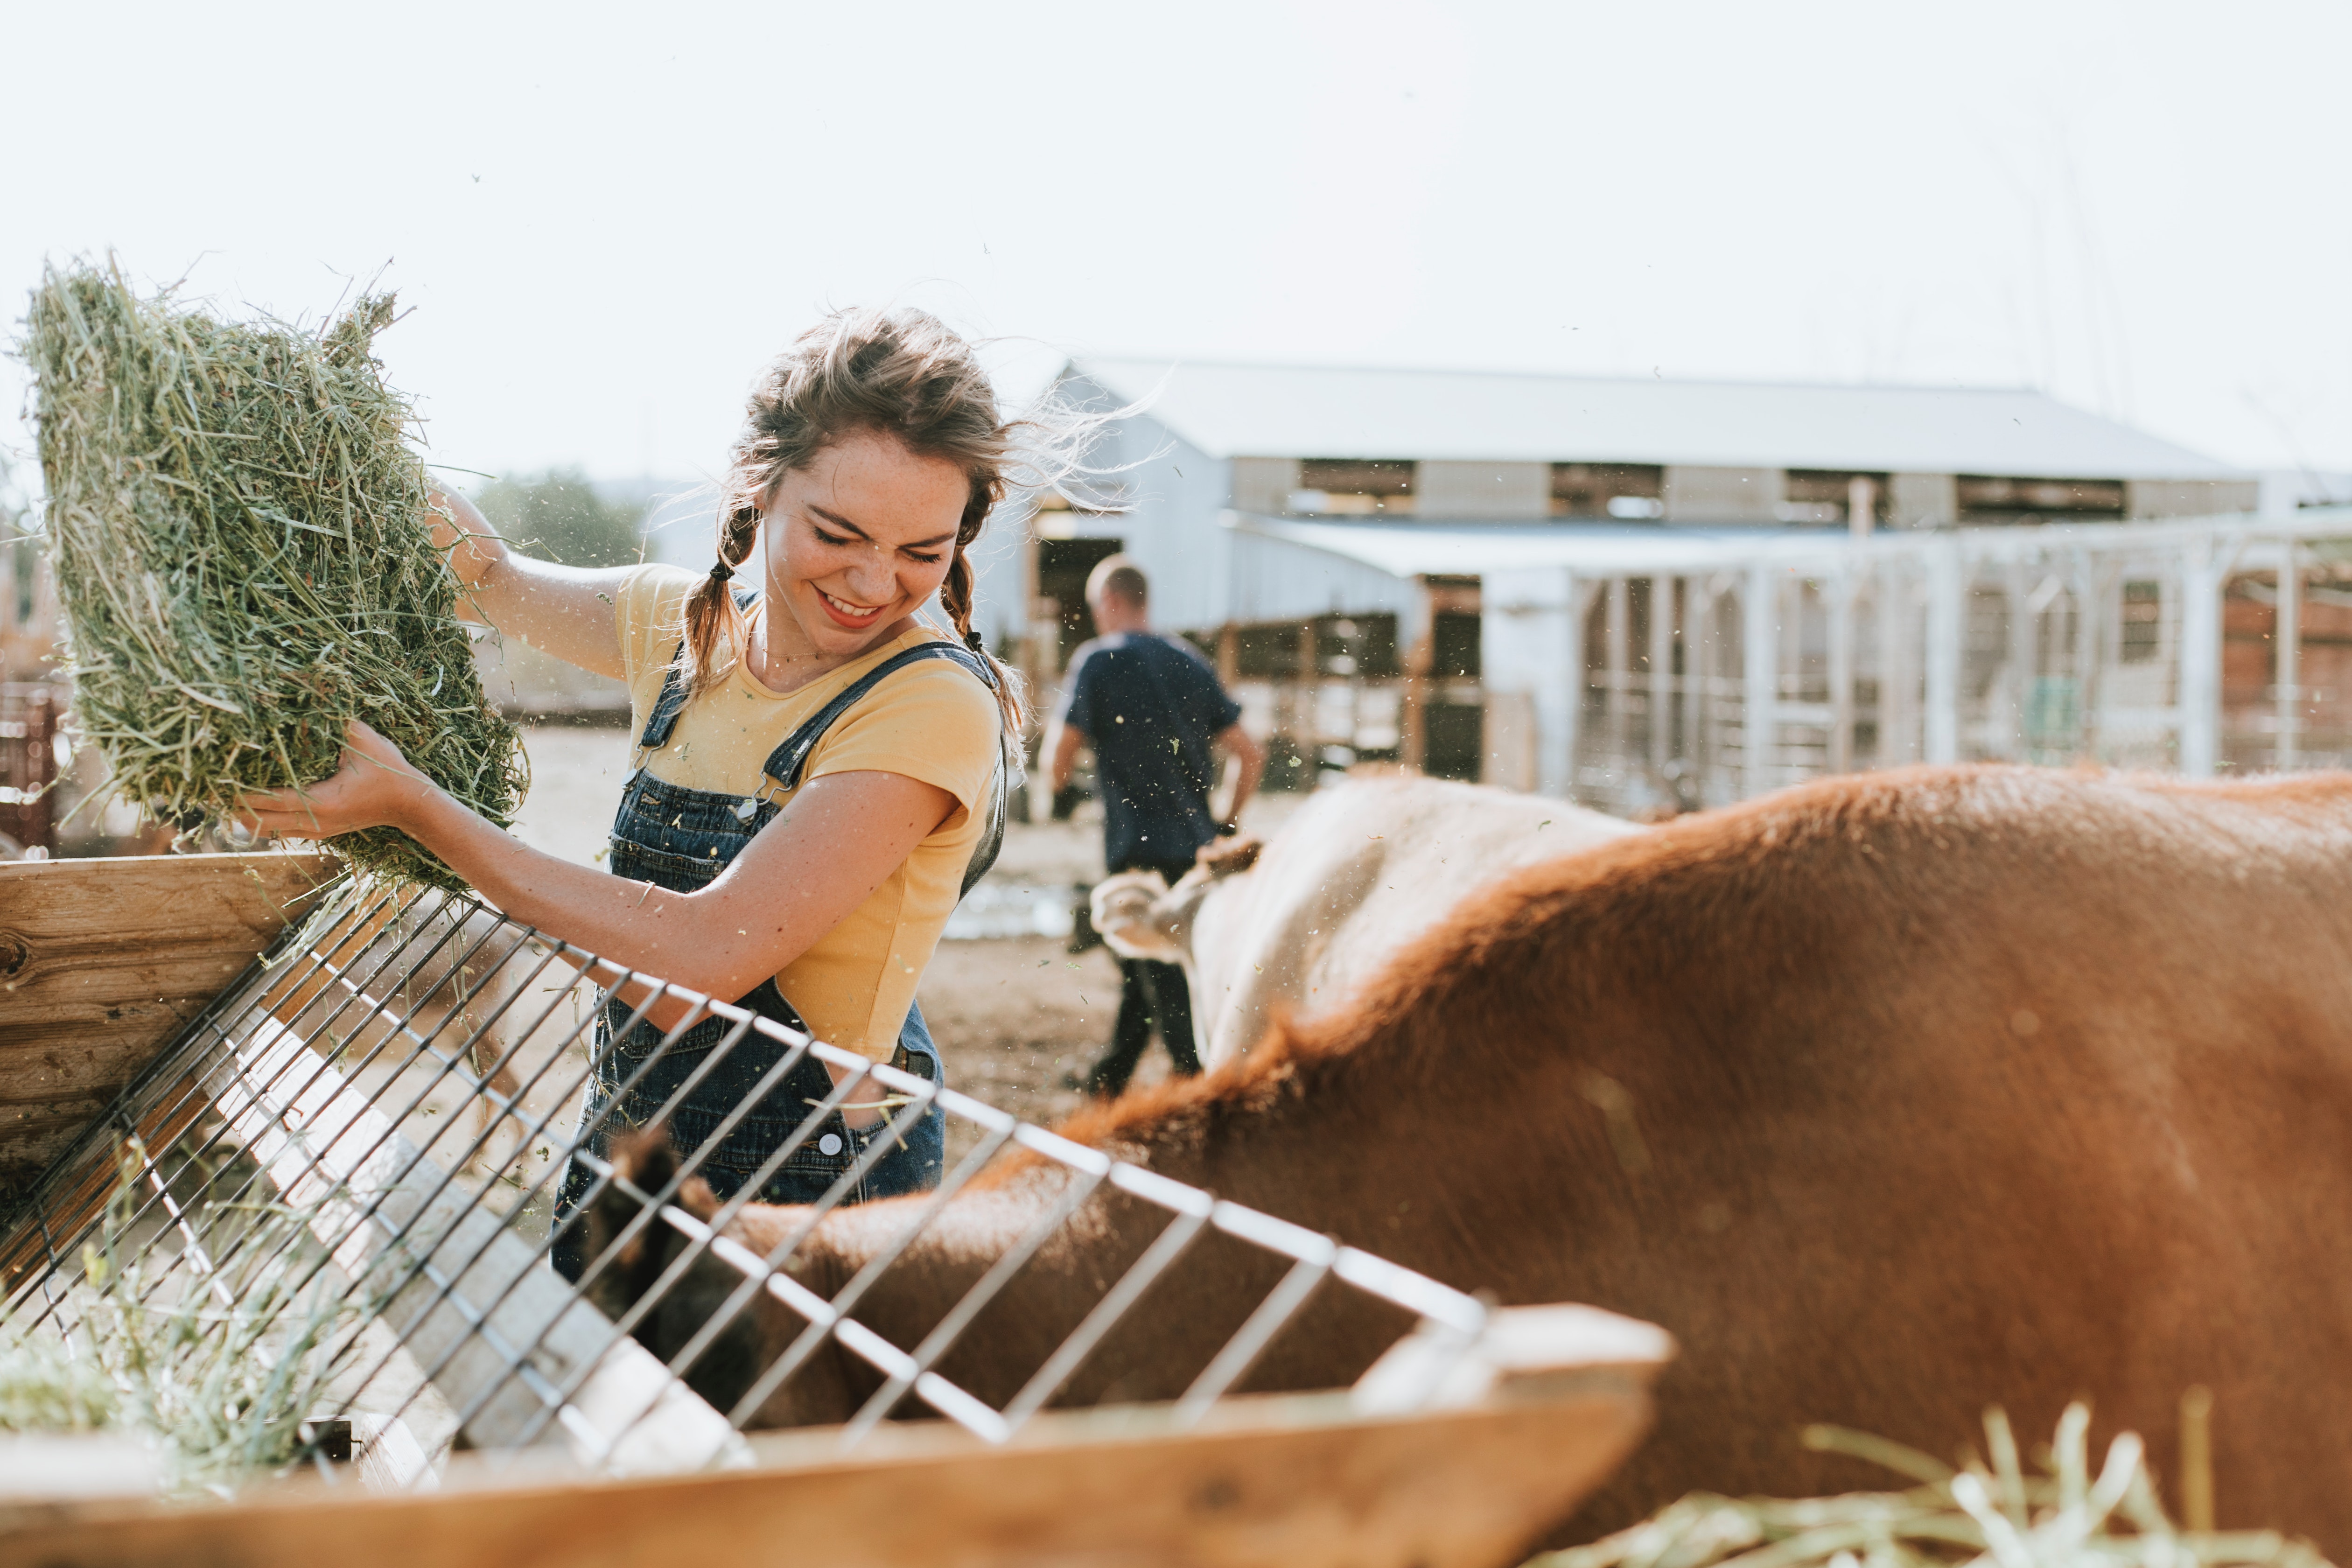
{"type": "Point", "coordinates": [238, 527]}
{"type": "Point", "coordinates": [218, 1365]}
{"type": "Point", "coordinates": [1992, 1516]}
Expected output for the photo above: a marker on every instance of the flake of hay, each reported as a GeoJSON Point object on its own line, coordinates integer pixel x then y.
{"type": "Point", "coordinates": [239, 525]}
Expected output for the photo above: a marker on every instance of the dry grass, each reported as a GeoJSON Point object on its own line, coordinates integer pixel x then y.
{"type": "Point", "coordinates": [238, 521]}
{"type": "Point", "coordinates": [1990, 1513]}
{"type": "Point", "coordinates": [217, 1352]}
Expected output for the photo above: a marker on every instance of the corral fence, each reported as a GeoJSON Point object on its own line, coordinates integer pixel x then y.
{"type": "Point", "coordinates": [1712, 675]}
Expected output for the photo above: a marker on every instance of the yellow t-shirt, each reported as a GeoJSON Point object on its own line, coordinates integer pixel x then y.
{"type": "Point", "coordinates": [931, 721]}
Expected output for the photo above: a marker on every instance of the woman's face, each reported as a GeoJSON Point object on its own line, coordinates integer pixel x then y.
{"type": "Point", "coordinates": [857, 541]}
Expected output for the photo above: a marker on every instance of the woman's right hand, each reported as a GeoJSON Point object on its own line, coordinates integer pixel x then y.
{"type": "Point", "coordinates": [460, 529]}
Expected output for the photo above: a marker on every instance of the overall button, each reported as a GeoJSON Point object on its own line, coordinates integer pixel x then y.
{"type": "Point", "coordinates": [829, 1144]}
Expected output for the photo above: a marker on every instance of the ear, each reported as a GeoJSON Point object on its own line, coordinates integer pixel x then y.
{"type": "Point", "coordinates": [1229, 856]}
{"type": "Point", "coordinates": [644, 1161]}
{"type": "Point", "coordinates": [697, 1199]}
{"type": "Point", "coordinates": [1172, 912]}
{"type": "Point", "coordinates": [1125, 909]}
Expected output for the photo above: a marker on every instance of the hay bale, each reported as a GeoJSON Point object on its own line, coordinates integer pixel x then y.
{"type": "Point", "coordinates": [239, 525]}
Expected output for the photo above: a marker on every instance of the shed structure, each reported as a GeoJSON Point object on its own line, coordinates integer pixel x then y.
{"type": "Point", "coordinates": [1454, 571]}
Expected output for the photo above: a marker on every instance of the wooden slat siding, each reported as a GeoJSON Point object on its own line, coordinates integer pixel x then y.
{"type": "Point", "coordinates": [331, 1155]}
{"type": "Point", "coordinates": [1284, 1481]}
{"type": "Point", "coordinates": [102, 961]}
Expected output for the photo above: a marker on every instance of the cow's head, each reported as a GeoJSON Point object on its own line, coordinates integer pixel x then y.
{"type": "Point", "coordinates": [1140, 915]}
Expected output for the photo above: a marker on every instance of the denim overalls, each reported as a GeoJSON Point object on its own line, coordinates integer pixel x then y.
{"type": "Point", "coordinates": [681, 839]}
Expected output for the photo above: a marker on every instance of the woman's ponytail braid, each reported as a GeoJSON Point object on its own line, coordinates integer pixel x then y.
{"type": "Point", "coordinates": [714, 622]}
{"type": "Point", "coordinates": [956, 596]}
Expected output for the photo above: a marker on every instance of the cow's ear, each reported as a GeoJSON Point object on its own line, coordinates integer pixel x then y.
{"type": "Point", "coordinates": [1229, 856]}
{"type": "Point", "coordinates": [696, 1198]}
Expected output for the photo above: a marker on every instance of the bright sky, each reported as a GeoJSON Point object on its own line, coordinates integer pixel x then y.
{"type": "Point", "coordinates": [607, 216]}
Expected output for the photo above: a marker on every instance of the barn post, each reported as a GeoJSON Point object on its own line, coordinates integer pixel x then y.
{"type": "Point", "coordinates": [1662, 675]}
{"type": "Point", "coordinates": [2024, 660]}
{"type": "Point", "coordinates": [1759, 674]}
{"type": "Point", "coordinates": [2287, 639]}
{"type": "Point", "coordinates": [1890, 590]}
{"type": "Point", "coordinates": [1618, 646]}
{"type": "Point", "coordinates": [1941, 740]}
{"type": "Point", "coordinates": [1840, 598]}
{"type": "Point", "coordinates": [1531, 644]}
{"type": "Point", "coordinates": [2200, 657]}
{"type": "Point", "coordinates": [1559, 703]}
{"type": "Point", "coordinates": [1698, 671]}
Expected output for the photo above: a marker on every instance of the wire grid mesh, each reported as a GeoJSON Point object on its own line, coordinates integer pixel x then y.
{"type": "Point", "coordinates": [406, 1080]}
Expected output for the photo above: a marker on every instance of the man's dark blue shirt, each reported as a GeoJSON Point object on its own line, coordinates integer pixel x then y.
{"type": "Point", "coordinates": [1149, 706]}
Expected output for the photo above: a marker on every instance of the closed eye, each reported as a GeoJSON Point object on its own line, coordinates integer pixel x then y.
{"type": "Point", "coordinates": [927, 557]}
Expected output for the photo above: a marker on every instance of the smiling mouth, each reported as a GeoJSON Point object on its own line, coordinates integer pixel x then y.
{"type": "Point", "coordinates": [849, 614]}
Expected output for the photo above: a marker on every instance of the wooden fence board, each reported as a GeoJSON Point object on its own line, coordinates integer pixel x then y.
{"type": "Point", "coordinates": [1286, 1482]}
{"type": "Point", "coordinates": [102, 961]}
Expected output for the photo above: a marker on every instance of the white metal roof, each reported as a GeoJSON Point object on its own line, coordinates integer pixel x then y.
{"type": "Point", "coordinates": [1229, 410]}
{"type": "Point", "coordinates": [1407, 550]}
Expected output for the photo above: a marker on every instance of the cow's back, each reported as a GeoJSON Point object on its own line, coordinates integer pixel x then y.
{"type": "Point", "coordinates": [1892, 1098]}
{"type": "Point", "coordinates": [1356, 874]}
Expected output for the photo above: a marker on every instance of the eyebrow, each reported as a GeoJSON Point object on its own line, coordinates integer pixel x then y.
{"type": "Point", "coordinates": [838, 520]}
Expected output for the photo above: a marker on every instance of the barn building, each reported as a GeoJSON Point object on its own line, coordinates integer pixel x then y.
{"type": "Point", "coordinates": [1645, 592]}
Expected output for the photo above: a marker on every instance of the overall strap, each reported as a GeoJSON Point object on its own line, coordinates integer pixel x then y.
{"type": "Point", "coordinates": [666, 708]}
{"type": "Point", "coordinates": [672, 700]}
{"type": "Point", "coordinates": [785, 762]}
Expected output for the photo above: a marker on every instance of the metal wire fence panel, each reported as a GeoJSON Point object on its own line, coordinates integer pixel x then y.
{"type": "Point", "coordinates": [352, 1159]}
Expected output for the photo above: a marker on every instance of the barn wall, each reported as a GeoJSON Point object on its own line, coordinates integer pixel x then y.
{"type": "Point", "coordinates": [1922, 501]}
{"type": "Point", "coordinates": [1723, 495]}
{"type": "Point", "coordinates": [1264, 484]}
{"type": "Point", "coordinates": [2189, 498]}
{"type": "Point", "coordinates": [1274, 580]}
{"type": "Point", "coordinates": [1483, 490]}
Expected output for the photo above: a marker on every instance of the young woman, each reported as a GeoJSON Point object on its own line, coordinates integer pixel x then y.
{"type": "Point", "coordinates": [819, 773]}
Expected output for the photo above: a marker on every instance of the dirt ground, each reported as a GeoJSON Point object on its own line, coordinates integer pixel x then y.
{"type": "Point", "coordinates": [1013, 1012]}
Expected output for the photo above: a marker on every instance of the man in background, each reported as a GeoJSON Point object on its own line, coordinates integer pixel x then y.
{"type": "Point", "coordinates": [1153, 711]}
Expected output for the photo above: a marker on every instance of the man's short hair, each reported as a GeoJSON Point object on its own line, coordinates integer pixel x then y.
{"type": "Point", "coordinates": [1117, 577]}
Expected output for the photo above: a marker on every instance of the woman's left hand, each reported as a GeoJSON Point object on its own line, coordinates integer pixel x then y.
{"type": "Point", "coordinates": [373, 788]}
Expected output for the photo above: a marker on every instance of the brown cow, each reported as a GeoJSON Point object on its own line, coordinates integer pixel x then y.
{"type": "Point", "coordinates": [1892, 1097]}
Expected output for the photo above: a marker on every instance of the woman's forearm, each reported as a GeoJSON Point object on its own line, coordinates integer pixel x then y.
{"type": "Point", "coordinates": [632, 923]}
{"type": "Point", "coordinates": [753, 921]}
{"type": "Point", "coordinates": [839, 839]}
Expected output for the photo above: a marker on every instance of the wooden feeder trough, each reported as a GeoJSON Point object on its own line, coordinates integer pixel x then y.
{"type": "Point", "coordinates": [398, 1090]}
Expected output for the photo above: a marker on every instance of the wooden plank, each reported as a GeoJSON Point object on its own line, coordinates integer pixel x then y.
{"type": "Point", "coordinates": [1285, 1481]}
{"type": "Point", "coordinates": [102, 961]}
{"type": "Point", "coordinates": [368, 1192]}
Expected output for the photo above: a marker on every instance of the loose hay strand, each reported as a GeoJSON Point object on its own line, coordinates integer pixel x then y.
{"type": "Point", "coordinates": [238, 522]}
{"type": "Point", "coordinates": [1996, 1518]}
{"type": "Point", "coordinates": [220, 1371]}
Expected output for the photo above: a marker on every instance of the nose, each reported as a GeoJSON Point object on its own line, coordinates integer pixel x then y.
{"type": "Point", "coordinates": [870, 576]}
